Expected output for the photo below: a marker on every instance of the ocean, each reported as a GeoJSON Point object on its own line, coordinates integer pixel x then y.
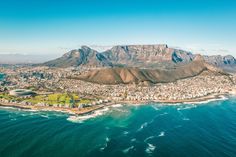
{"type": "Point", "coordinates": [182, 130]}
{"type": "Point", "coordinates": [2, 76]}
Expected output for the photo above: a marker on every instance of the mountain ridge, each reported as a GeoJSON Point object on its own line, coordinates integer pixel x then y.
{"type": "Point", "coordinates": [84, 56]}
{"type": "Point", "coordinates": [145, 64]}
{"type": "Point", "coordinates": [142, 56]}
{"type": "Point", "coordinates": [129, 75]}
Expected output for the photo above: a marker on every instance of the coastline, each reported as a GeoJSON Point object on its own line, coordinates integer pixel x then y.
{"type": "Point", "coordinates": [171, 102]}
{"type": "Point", "coordinates": [70, 111]}
{"type": "Point", "coordinates": [76, 112]}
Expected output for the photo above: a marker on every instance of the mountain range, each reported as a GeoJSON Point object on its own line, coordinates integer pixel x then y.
{"type": "Point", "coordinates": [127, 75]}
{"type": "Point", "coordinates": [141, 56]}
{"type": "Point", "coordinates": [142, 64]}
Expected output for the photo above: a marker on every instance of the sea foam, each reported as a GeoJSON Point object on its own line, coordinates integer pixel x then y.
{"type": "Point", "coordinates": [82, 118]}
{"type": "Point", "coordinates": [106, 143]}
{"type": "Point", "coordinates": [116, 105]}
{"type": "Point", "coordinates": [161, 134]}
{"type": "Point", "coordinates": [148, 138]}
{"type": "Point", "coordinates": [186, 107]}
{"type": "Point", "coordinates": [143, 126]}
{"type": "Point", "coordinates": [208, 101]}
{"type": "Point", "coordinates": [150, 148]}
{"type": "Point", "coordinates": [128, 149]}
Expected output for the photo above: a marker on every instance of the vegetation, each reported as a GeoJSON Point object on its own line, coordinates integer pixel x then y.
{"type": "Point", "coordinates": [9, 97]}
{"type": "Point", "coordinates": [72, 100]}
{"type": "Point", "coordinates": [69, 99]}
{"type": "Point", "coordinates": [6, 96]}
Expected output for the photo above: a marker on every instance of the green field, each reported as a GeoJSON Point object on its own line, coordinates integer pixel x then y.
{"type": "Point", "coordinates": [9, 97]}
{"type": "Point", "coordinates": [57, 98]}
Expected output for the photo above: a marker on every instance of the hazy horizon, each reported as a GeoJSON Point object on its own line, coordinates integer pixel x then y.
{"type": "Point", "coordinates": [46, 27]}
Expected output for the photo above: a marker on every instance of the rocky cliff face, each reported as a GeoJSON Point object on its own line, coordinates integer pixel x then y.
{"type": "Point", "coordinates": [221, 60]}
{"type": "Point", "coordinates": [142, 56]}
{"type": "Point", "coordinates": [227, 63]}
{"type": "Point", "coordinates": [84, 56]}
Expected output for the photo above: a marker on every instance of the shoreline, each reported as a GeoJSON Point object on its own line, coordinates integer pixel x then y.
{"type": "Point", "coordinates": [70, 111]}
{"type": "Point", "coordinates": [195, 100]}
{"type": "Point", "coordinates": [76, 112]}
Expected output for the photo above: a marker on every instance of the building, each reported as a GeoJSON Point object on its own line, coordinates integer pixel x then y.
{"type": "Point", "coordinates": [22, 93]}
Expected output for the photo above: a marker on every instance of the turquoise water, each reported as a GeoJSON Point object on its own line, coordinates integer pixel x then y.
{"type": "Point", "coordinates": [2, 76]}
{"type": "Point", "coordinates": [135, 131]}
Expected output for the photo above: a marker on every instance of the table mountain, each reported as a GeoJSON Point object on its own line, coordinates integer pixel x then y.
{"type": "Point", "coordinates": [141, 56]}
{"type": "Point", "coordinates": [133, 55]}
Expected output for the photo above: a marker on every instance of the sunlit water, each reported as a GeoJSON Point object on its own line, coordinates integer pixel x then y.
{"type": "Point", "coordinates": [147, 130]}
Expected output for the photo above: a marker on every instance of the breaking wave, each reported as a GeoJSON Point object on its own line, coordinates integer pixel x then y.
{"type": "Point", "coordinates": [82, 118]}
{"type": "Point", "coordinates": [150, 148]}
{"type": "Point", "coordinates": [117, 105]}
{"type": "Point", "coordinates": [208, 101]}
{"type": "Point", "coordinates": [161, 134]}
{"type": "Point", "coordinates": [128, 149]}
{"type": "Point", "coordinates": [186, 107]}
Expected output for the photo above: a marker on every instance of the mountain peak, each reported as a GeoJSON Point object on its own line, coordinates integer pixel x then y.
{"type": "Point", "coordinates": [198, 57]}
{"type": "Point", "coordinates": [71, 53]}
{"type": "Point", "coordinates": [84, 56]}
{"type": "Point", "coordinates": [84, 47]}
{"type": "Point", "coordinates": [142, 56]}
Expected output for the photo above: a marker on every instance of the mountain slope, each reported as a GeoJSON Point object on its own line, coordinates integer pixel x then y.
{"type": "Point", "coordinates": [227, 63]}
{"type": "Point", "coordinates": [141, 56]}
{"type": "Point", "coordinates": [136, 75]}
{"type": "Point", "coordinates": [84, 56]}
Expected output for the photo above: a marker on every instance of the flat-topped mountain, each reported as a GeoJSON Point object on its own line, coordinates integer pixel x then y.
{"type": "Point", "coordinates": [141, 56]}
{"type": "Point", "coordinates": [129, 55]}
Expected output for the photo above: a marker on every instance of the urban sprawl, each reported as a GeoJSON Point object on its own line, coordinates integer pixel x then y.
{"type": "Point", "coordinates": [41, 87]}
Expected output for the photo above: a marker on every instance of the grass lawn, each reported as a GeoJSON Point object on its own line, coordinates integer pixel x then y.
{"type": "Point", "coordinates": [59, 98]}
{"type": "Point", "coordinates": [51, 99]}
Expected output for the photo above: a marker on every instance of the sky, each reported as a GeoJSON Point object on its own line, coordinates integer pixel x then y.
{"type": "Point", "coordinates": [57, 26]}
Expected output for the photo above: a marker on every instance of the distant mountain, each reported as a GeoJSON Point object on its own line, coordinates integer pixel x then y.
{"type": "Point", "coordinates": [129, 55]}
{"type": "Point", "coordinates": [141, 56]}
{"type": "Point", "coordinates": [225, 62]}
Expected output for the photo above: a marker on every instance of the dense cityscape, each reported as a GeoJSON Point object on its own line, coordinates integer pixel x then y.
{"type": "Point", "coordinates": [54, 88]}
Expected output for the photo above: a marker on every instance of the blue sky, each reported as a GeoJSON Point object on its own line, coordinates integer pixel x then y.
{"type": "Point", "coordinates": [54, 27]}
